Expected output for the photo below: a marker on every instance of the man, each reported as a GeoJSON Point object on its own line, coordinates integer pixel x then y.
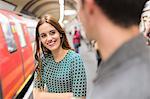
{"type": "Point", "coordinates": [125, 70]}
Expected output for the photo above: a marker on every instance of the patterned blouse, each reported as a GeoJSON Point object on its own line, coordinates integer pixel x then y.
{"type": "Point", "coordinates": [68, 75]}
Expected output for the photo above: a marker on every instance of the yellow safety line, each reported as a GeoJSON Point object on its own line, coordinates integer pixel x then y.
{"type": "Point", "coordinates": [23, 85]}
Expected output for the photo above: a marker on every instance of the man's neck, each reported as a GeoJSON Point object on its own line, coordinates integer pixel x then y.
{"type": "Point", "coordinates": [115, 38]}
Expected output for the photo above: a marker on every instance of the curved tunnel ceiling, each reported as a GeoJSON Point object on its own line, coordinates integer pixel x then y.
{"type": "Point", "coordinates": [38, 8]}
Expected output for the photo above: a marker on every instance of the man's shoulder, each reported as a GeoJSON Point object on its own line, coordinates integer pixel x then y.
{"type": "Point", "coordinates": [121, 80]}
{"type": "Point", "coordinates": [137, 65]}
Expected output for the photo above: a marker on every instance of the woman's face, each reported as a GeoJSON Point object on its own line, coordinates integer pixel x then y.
{"type": "Point", "coordinates": [49, 36]}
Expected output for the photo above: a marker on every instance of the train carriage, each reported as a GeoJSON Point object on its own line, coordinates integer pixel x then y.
{"type": "Point", "coordinates": [16, 53]}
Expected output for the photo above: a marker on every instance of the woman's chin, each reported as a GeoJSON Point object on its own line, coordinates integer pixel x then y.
{"type": "Point", "coordinates": [53, 48]}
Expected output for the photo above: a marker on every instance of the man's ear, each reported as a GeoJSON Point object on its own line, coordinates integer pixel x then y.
{"type": "Point", "coordinates": [90, 6]}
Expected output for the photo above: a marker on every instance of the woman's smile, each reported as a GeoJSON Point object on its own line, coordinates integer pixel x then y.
{"type": "Point", "coordinates": [51, 43]}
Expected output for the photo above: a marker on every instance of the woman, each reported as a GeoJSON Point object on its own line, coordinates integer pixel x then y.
{"type": "Point", "coordinates": [59, 68]}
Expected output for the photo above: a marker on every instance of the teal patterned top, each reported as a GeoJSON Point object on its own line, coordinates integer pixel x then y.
{"type": "Point", "coordinates": [68, 75]}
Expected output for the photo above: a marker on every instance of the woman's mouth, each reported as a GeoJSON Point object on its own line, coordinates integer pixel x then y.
{"type": "Point", "coordinates": [51, 43]}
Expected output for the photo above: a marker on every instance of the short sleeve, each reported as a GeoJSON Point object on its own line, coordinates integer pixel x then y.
{"type": "Point", "coordinates": [79, 77]}
{"type": "Point", "coordinates": [38, 83]}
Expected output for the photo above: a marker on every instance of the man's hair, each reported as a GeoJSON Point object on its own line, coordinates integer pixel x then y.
{"type": "Point", "coordinates": [122, 12]}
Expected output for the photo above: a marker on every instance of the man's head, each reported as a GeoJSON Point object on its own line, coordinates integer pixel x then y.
{"type": "Point", "coordinates": [123, 13]}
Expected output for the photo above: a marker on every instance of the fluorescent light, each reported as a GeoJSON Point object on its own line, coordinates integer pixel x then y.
{"type": "Point", "coordinates": [70, 12]}
{"type": "Point", "coordinates": [65, 21]}
{"type": "Point", "coordinates": [61, 3]}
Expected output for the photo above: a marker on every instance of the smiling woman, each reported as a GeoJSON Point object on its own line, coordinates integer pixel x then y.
{"type": "Point", "coordinates": [60, 72]}
{"type": "Point", "coordinates": [49, 36]}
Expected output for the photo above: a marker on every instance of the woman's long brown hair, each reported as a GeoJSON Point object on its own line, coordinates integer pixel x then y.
{"type": "Point", "coordinates": [40, 49]}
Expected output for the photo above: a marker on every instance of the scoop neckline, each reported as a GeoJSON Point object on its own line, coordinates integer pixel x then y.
{"type": "Point", "coordinates": [62, 58]}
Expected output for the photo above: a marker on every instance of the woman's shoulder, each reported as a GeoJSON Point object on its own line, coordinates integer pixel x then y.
{"type": "Point", "coordinates": [73, 55]}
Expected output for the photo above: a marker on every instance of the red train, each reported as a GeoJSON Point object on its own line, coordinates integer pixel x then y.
{"type": "Point", "coordinates": [16, 53]}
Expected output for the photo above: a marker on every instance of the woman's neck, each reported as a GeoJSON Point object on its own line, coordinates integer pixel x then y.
{"type": "Point", "coordinates": [59, 54]}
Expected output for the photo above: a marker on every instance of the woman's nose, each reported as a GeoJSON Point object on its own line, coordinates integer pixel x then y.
{"type": "Point", "coordinates": [49, 37]}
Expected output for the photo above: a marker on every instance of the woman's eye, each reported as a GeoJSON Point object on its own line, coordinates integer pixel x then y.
{"type": "Point", "coordinates": [43, 35]}
{"type": "Point", "coordinates": [52, 32]}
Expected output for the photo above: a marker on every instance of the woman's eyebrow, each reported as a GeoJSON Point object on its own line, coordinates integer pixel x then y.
{"type": "Point", "coordinates": [42, 33]}
{"type": "Point", "coordinates": [51, 30]}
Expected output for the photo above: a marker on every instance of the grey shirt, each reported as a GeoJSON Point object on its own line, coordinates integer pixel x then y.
{"type": "Point", "coordinates": [126, 74]}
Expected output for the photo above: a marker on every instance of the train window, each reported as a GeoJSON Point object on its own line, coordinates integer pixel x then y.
{"type": "Point", "coordinates": [31, 31]}
{"type": "Point", "coordinates": [20, 32]}
{"type": "Point", "coordinates": [8, 34]}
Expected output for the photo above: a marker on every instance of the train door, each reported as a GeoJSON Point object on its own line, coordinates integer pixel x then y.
{"type": "Point", "coordinates": [26, 48]}
{"type": "Point", "coordinates": [11, 69]}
